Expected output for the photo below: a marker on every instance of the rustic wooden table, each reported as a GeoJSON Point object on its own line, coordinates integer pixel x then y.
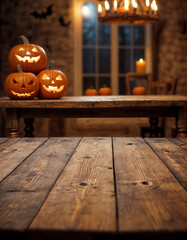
{"type": "Point", "coordinates": [151, 106]}
{"type": "Point", "coordinates": [93, 188]}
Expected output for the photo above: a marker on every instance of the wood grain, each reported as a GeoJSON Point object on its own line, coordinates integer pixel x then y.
{"type": "Point", "coordinates": [23, 192]}
{"type": "Point", "coordinates": [8, 142]}
{"type": "Point", "coordinates": [83, 198]}
{"type": "Point", "coordinates": [3, 140]}
{"type": "Point", "coordinates": [173, 156]}
{"type": "Point", "coordinates": [16, 153]}
{"type": "Point", "coordinates": [179, 142]}
{"type": "Point", "coordinates": [147, 192]}
{"type": "Point", "coordinates": [98, 102]}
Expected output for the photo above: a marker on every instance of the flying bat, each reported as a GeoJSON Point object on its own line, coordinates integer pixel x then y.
{"type": "Point", "coordinates": [43, 14]}
{"type": "Point", "coordinates": [62, 23]}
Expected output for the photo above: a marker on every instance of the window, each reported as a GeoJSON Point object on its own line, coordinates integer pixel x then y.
{"type": "Point", "coordinates": [105, 52]}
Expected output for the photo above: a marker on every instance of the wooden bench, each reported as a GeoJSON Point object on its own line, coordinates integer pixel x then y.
{"type": "Point", "coordinates": [93, 188]}
{"type": "Point", "coordinates": [149, 106]}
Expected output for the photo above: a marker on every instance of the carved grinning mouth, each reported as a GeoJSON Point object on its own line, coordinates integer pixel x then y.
{"type": "Point", "coordinates": [23, 94]}
{"type": "Point", "coordinates": [28, 59]}
{"type": "Point", "coordinates": [53, 89]}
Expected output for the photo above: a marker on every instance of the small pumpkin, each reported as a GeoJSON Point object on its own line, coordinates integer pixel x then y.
{"type": "Point", "coordinates": [90, 92]}
{"type": "Point", "coordinates": [21, 85]}
{"type": "Point", "coordinates": [53, 83]}
{"type": "Point", "coordinates": [182, 135]}
{"type": "Point", "coordinates": [139, 90]}
{"type": "Point", "coordinates": [105, 90]}
{"type": "Point", "coordinates": [31, 57]}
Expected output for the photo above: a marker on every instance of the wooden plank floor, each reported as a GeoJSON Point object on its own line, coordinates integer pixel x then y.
{"type": "Point", "coordinates": [93, 188]}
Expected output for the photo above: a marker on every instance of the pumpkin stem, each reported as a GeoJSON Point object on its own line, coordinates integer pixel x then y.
{"type": "Point", "coordinates": [51, 65]}
{"type": "Point", "coordinates": [20, 70]}
{"type": "Point", "coordinates": [25, 40]}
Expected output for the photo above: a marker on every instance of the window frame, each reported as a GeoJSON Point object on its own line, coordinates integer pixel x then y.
{"type": "Point", "coordinates": [78, 49]}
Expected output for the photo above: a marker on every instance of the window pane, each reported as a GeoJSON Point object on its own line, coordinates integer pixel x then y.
{"type": "Point", "coordinates": [104, 34]}
{"type": "Point", "coordinates": [104, 81]}
{"type": "Point", "coordinates": [122, 88]}
{"type": "Point", "coordinates": [138, 53]}
{"type": "Point", "coordinates": [89, 13]}
{"type": "Point", "coordinates": [104, 61]}
{"type": "Point", "coordinates": [139, 35]}
{"type": "Point", "coordinates": [124, 35]}
{"type": "Point", "coordinates": [88, 82]}
{"type": "Point", "coordinates": [88, 61]}
{"type": "Point", "coordinates": [124, 60]}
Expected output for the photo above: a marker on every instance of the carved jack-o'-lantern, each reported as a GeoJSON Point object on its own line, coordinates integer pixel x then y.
{"type": "Point", "coordinates": [21, 85]}
{"type": "Point", "coordinates": [31, 57]}
{"type": "Point", "coordinates": [53, 83]}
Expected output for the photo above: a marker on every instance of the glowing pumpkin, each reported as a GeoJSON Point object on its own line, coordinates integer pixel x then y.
{"type": "Point", "coordinates": [139, 90]}
{"type": "Point", "coordinates": [21, 85]}
{"type": "Point", "coordinates": [104, 90]}
{"type": "Point", "coordinates": [182, 135]}
{"type": "Point", "coordinates": [90, 92]}
{"type": "Point", "coordinates": [31, 57]}
{"type": "Point", "coordinates": [53, 83]}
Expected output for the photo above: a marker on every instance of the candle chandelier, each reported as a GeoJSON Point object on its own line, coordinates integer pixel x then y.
{"type": "Point", "coordinates": [127, 11]}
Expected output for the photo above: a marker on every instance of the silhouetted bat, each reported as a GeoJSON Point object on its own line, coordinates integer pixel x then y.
{"type": "Point", "coordinates": [63, 24]}
{"type": "Point", "coordinates": [48, 12]}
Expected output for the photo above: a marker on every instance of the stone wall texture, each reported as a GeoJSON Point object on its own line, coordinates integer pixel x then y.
{"type": "Point", "coordinates": [58, 42]}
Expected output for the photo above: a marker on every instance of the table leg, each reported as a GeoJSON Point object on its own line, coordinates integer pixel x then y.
{"type": "Point", "coordinates": [29, 128]}
{"type": "Point", "coordinates": [181, 121]}
{"type": "Point", "coordinates": [12, 122]}
{"type": "Point", "coordinates": [154, 127]}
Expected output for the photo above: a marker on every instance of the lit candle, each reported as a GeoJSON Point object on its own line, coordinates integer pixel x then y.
{"type": "Point", "coordinates": [154, 7]}
{"type": "Point", "coordinates": [135, 5]}
{"type": "Point", "coordinates": [99, 8]}
{"type": "Point", "coordinates": [115, 5]}
{"type": "Point", "coordinates": [140, 66]}
{"type": "Point", "coordinates": [147, 6]}
{"type": "Point", "coordinates": [107, 6]}
{"type": "Point", "coordinates": [126, 5]}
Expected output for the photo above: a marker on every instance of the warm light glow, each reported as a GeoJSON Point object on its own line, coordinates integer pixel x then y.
{"type": "Point", "coordinates": [126, 5]}
{"type": "Point", "coordinates": [28, 58]}
{"type": "Point", "coordinates": [107, 6]}
{"type": "Point", "coordinates": [141, 60]}
{"type": "Point", "coordinates": [45, 76]}
{"type": "Point", "coordinates": [99, 8]}
{"type": "Point", "coordinates": [154, 6]}
{"type": "Point", "coordinates": [115, 5]}
{"type": "Point", "coordinates": [85, 11]}
{"type": "Point", "coordinates": [134, 4]}
{"type": "Point", "coordinates": [147, 3]}
{"type": "Point", "coordinates": [59, 77]}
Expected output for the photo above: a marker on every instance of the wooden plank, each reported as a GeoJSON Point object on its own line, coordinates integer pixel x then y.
{"type": "Point", "coordinates": [83, 198]}
{"type": "Point", "coordinates": [183, 140]}
{"type": "Point", "coordinates": [8, 142]}
{"type": "Point", "coordinates": [3, 140]}
{"type": "Point", "coordinates": [98, 102]}
{"type": "Point", "coordinates": [173, 156]}
{"type": "Point", "coordinates": [149, 197]}
{"type": "Point", "coordinates": [179, 142]}
{"type": "Point", "coordinates": [16, 153]}
{"type": "Point", "coordinates": [23, 192]}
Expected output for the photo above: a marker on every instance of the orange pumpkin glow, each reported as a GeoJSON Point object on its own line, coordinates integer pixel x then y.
{"type": "Point", "coordinates": [53, 83]}
{"type": "Point", "coordinates": [105, 91]}
{"type": "Point", "coordinates": [21, 85]}
{"type": "Point", "coordinates": [90, 92]}
{"type": "Point", "coordinates": [31, 57]}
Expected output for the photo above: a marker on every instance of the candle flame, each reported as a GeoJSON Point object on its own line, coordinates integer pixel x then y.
{"type": "Point", "coordinates": [154, 6]}
{"type": "Point", "coordinates": [126, 5]}
{"type": "Point", "coordinates": [115, 5]}
{"type": "Point", "coordinates": [107, 6]}
{"type": "Point", "coordinates": [141, 60]}
{"type": "Point", "coordinates": [147, 3]}
{"type": "Point", "coordinates": [134, 4]}
{"type": "Point", "coordinates": [99, 8]}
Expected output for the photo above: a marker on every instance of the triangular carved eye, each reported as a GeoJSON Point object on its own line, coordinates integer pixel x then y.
{"type": "Point", "coordinates": [58, 77]}
{"type": "Point", "coordinates": [45, 76]}
{"type": "Point", "coordinates": [31, 82]}
{"type": "Point", "coordinates": [21, 49]}
{"type": "Point", "coordinates": [34, 50]}
{"type": "Point", "coordinates": [14, 81]}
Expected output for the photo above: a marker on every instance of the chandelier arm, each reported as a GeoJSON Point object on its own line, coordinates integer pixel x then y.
{"type": "Point", "coordinates": [140, 4]}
